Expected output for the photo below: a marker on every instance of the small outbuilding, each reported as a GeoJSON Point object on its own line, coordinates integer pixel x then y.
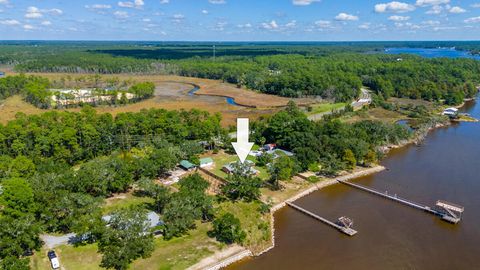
{"type": "Point", "coordinates": [206, 162]}
{"type": "Point", "coordinates": [187, 165]}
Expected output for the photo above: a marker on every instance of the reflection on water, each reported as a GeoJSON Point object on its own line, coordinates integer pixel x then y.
{"type": "Point", "coordinates": [392, 236]}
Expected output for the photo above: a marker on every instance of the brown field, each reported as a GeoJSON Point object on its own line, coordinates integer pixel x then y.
{"type": "Point", "coordinates": [172, 94]}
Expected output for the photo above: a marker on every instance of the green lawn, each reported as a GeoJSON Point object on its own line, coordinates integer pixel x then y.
{"type": "Point", "coordinates": [222, 158]}
{"type": "Point", "coordinates": [326, 107]}
{"type": "Point", "coordinates": [255, 224]}
{"type": "Point", "coordinates": [71, 258]}
{"type": "Point", "coordinates": [123, 201]}
{"type": "Point", "coordinates": [178, 253]}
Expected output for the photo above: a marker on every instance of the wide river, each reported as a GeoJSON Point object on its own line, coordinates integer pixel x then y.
{"type": "Point", "coordinates": [391, 236]}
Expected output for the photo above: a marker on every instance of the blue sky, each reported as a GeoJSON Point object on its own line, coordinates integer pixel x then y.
{"type": "Point", "coordinates": [240, 20]}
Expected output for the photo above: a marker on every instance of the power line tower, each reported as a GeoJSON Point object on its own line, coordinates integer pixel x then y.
{"type": "Point", "coordinates": [214, 53]}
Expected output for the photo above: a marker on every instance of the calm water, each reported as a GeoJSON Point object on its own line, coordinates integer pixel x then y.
{"type": "Point", "coordinates": [392, 236]}
{"type": "Point", "coordinates": [433, 53]}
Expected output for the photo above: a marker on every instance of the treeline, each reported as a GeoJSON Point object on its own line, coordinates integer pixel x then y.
{"type": "Point", "coordinates": [328, 73]}
{"type": "Point", "coordinates": [73, 137]}
{"type": "Point", "coordinates": [330, 145]}
{"type": "Point", "coordinates": [340, 76]}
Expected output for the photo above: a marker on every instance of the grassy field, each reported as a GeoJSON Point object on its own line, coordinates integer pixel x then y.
{"type": "Point", "coordinates": [325, 107]}
{"type": "Point", "coordinates": [123, 201]}
{"type": "Point", "coordinates": [255, 224]}
{"type": "Point", "coordinates": [172, 94]}
{"type": "Point", "coordinates": [178, 253]}
{"type": "Point", "coordinates": [223, 158]}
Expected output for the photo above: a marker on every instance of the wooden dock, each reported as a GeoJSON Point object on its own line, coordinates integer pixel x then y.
{"type": "Point", "coordinates": [345, 230]}
{"type": "Point", "coordinates": [444, 215]}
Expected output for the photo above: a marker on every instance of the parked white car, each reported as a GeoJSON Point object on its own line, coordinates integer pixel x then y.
{"type": "Point", "coordinates": [53, 259]}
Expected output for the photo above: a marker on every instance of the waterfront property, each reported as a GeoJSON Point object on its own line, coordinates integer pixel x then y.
{"type": "Point", "coordinates": [343, 225]}
{"type": "Point", "coordinates": [2, 74]}
{"type": "Point", "coordinates": [234, 166]}
{"type": "Point", "coordinates": [65, 97]}
{"type": "Point", "coordinates": [447, 211]}
{"type": "Point", "coordinates": [452, 112]}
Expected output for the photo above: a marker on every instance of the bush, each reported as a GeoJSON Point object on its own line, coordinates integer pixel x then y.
{"type": "Point", "coordinates": [227, 229]}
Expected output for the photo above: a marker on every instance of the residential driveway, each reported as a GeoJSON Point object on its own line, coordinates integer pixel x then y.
{"type": "Point", "coordinates": [52, 241]}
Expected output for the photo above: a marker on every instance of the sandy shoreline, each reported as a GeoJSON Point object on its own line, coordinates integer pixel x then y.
{"type": "Point", "coordinates": [236, 253]}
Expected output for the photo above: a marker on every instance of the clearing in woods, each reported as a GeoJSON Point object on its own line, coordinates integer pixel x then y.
{"type": "Point", "coordinates": [172, 93]}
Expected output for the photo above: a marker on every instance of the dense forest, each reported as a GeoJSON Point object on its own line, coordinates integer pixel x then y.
{"type": "Point", "coordinates": [329, 70]}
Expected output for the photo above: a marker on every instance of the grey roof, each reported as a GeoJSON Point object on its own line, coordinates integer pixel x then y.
{"type": "Point", "coordinates": [152, 218]}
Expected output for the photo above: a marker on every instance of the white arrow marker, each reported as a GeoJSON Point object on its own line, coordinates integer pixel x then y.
{"type": "Point", "coordinates": [242, 146]}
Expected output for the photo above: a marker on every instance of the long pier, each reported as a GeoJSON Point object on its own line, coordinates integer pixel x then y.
{"type": "Point", "coordinates": [444, 215]}
{"type": "Point", "coordinates": [346, 230]}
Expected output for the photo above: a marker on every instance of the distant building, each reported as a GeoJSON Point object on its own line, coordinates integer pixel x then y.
{"type": "Point", "coordinates": [206, 162]}
{"type": "Point", "coordinates": [450, 112]}
{"type": "Point", "coordinates": [2, 74]}
{"type": "Point", "coordinates": [280, 152]}
{"type": "Point", "coordinates": [269, 147]}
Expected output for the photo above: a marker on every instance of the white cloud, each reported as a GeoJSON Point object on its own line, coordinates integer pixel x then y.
{"type": "Point", "coordinates": [217, 2]}
{"type": "Point", "coordinates": [205, 11]}
{"type": "Point", "coordinates": [164, 2]}
{"type": "Point", "coordinates": [33, 13]}
{"type": "Point", "coordinates": [269, 25]}
{"type": "Point", "coordinates": [10, 22]}
{"type": "Point", "coordinates": [394, 7]}
{"type": "Point", "coordinates": [121, 14]}
{"type": "Point", "coordinates": [423, 3]}
{"type": "Point", "coordinates": [291, 24]}
{"type": "Point", "coordinates": [346, 17]}
{"type": "Point", "coordinates": [435, 10]}
{"type": "Point", "coordinates": [473, 20]}
{"type": "Point", "coordinates": [54, 11]}
{"type": "Point", "coordinates": [397, 18]}
{"type": "Point", "coordinates": [128, 4]}
{"type": "Point", "coordinates": [178, 18]}
{"type": "Point", "coordinates": [247, 25]}
{"type": "Point", "coordinates": [98, 6]}
{"type": "Point", "coordinates": [4, 2]}
{"type": "Point", "coordinates": [304, 2]}
{"type": "Point", "coordinates": [476, 5]}
{"type": "Point", "coordinates": [431, 23]}
{"type": "Point", "coordinates": [46, 23]}
{"type": "Point", "coordinates": [323, 24]}
{"type": "Point", "coordinates": [457, 10]}
{"type": "Point", "coordinates": [36, 13]}
{"type": "Point", "coordinates": [28, 27]}
{"type": "Point", "coordinates": [364, 26]}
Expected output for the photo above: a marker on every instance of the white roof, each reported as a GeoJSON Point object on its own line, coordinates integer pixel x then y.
{"type": "Point", "coordinates": [55, 263]}
{"type": "Point", "coordinates": [451, 109]}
